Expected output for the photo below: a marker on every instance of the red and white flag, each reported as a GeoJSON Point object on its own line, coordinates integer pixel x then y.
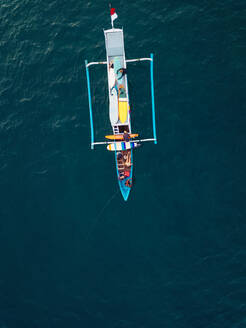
{"type": "Point", "coordinates": [113, 14]}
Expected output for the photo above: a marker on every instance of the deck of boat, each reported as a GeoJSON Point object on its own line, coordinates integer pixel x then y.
{"type": "Point", "coordinates": [119, 113]}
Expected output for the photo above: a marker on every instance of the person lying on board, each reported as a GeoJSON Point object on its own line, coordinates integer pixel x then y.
{"type": "Point", "coordinates": [122, 91]}
{"type": "Point", "coordinates": [121, 70]}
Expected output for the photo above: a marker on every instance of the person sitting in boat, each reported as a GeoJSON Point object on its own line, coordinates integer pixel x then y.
{"type": "Point", "coordinates": [119, 156]}
{"type": "Point", "coordinates": [121, 176]}
{"type": "Point", "coordinates": [121, 70]}
{"type": "Point", "coordinates": [127, 159]}
{"type": "Point", "coordinates": [126, 136]}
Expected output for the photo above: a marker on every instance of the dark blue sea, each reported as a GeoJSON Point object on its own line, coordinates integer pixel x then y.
{"type": "Point", "coordinates": [72, 252]}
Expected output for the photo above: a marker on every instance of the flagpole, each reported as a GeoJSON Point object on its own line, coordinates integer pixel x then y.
{"type": "Point", "coordinates": [112, 22]}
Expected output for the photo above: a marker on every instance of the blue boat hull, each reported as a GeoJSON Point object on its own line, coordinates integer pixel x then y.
{"type": "Point", "coordinates": [125, 190]}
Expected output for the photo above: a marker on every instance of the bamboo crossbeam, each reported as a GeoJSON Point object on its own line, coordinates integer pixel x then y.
{"type": "Point", "coordinates": [128, 61]}
{"type": "Point", "coordinates": [138, 59]}
{"type": "Point", "coordinates": [113, 141]}
{"type": "Point", "coordinates": [96, 63]}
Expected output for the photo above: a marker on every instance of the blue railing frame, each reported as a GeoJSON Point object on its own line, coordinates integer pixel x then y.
{"type": "Point", "coordinates": [153, 95]}
{"type": "Point", "coordinates": [90, 105]}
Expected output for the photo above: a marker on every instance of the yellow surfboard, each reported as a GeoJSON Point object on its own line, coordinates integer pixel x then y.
{"type": "Point", "coordinates": [120, 136]}
{"type": "Point", "coordinates": [123, 110]}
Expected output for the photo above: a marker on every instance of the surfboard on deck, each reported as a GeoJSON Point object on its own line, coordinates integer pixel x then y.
{"type": "Point", "coordinates": [113, 107]}
{"type": "Point", "coordinates": [122, 145]}
{"type": "Point", "coordinates": [120, 136]}
{"type": "Point", "coordinates": [111, 78]}
{"type": "Point", "coordinates": [123, 110]}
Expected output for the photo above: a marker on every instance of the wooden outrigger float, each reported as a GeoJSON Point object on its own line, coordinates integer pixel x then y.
{"type": "Point", "coordinates": [122, 140]}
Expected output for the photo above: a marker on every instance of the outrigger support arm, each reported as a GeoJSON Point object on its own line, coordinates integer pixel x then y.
{"type": "Point", "coordinates": [137, 59]}
{"type": "Point", "coordinates": [128, 61]}
{"type": "Point", "coordinates": [113, 141]}
{"type": "Point", "coordinates": [90, 105]}
{"type": "Point", "coordinates": [95, 63]}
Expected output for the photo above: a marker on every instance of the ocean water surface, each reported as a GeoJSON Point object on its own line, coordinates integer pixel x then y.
{"type": "Point", "coordinates": [72, 252]}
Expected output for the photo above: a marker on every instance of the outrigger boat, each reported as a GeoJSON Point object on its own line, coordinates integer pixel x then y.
{"type": "Point", "coordinates": [122, 140]}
